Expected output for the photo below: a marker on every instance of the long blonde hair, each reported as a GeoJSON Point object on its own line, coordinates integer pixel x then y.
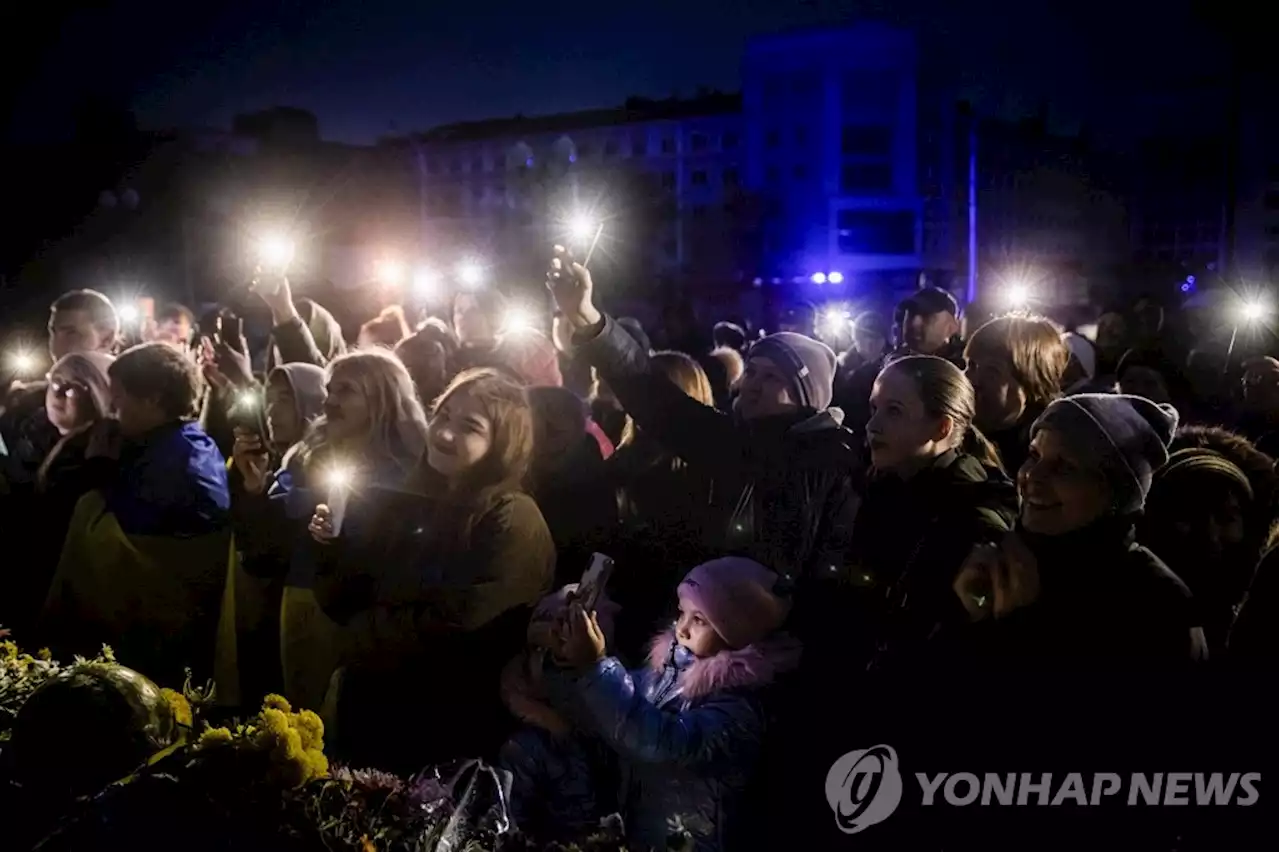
{"type": "Point", "coordinates": [90, 370]}
{"type": "Point", "coordinates": [945, 391]}
{"type": "Point", "coordinates": [398, 425]}
{"type": "Point", "coordinates": [683, 372]}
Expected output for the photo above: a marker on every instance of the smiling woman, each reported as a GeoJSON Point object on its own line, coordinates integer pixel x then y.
{"type": "Point", "coordinates": [443, 584]}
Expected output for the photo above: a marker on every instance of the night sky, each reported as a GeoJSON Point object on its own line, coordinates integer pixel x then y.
{"type": "Point", "coordinates": [366, 67]}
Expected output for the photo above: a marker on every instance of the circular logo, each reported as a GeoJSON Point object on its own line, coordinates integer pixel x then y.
{"type": "Point", "coordinates": [864, 788]}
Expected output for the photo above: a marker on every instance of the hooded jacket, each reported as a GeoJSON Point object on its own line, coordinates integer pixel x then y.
{"type": "Point", "coordinates": [314, 338]}
{"type": "Point", "coordinates": [908, 565]}
{"type": "Point", "coordinates": [689, 732]}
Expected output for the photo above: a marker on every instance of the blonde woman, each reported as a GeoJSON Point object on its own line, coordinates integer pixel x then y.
{"type": "Point", "coordinates": [373, 432]}
{"type": "Point", "coordinates": [662, 511]}
{"type": "Point", "coordinates": [77, 396]}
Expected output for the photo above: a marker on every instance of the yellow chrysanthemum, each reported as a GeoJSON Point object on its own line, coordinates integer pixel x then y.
{"type": "Point", "coordinates": [180, 707]}
{"type": "Point", "coordinates": [289, 748]}
{"type": "Point", "coordinates": [308, 724]}
{"type": "Point", "coordinates": [44, 654]}
{"type": "Point", "coordinates": [215, 736]}
{"type": "Point", "coordinates": [317, 764]}
{"type": "Point", "coordinates": [273, 722]}
{"type": "Point", "coordinates": [276, 702]}
{"type": "Point", "coordinates": [8, 650]}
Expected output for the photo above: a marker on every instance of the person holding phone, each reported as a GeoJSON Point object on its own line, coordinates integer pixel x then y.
{"type": "Point", "coordinates": [688, 726]}
{"type": "Point", "coordinates": [444, 588]}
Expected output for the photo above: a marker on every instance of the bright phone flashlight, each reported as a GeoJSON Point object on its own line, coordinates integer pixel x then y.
{"type": "Point", "coordinates": [1252, 311]}
{"type": "Point", "coordinates": [426, 283]}
{"type": "Point", "coordinates": [470, 274]}
{"type": "Point", "coordinates": [517, 320]}
{"type": "Point", "coordinates": [275, 251]}
{"type": "Point", "coordinates": [391, 271]}
{"type": "Point", "coordinates": [23, 363]}
{"type": "Point", "coordinates": [128, 314]}
{"type": "Point", "coordinates": [834, 321]}
{"type": "Point", "coordinates": [582, 227]}
{"type": "Point", "coordinates": [1017, 296]}
{"type": "Point", "coordinates": [338, 479]}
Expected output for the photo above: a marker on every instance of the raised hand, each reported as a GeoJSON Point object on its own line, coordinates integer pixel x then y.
{"type": "Point", "coordinates": [249, 454]}
{"type": "Point", "coordinates": [321, 526]}
{"type": "Point", "coordinates": [570, 285]}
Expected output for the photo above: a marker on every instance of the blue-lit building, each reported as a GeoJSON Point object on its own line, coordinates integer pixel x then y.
{"type": "Point", "coordinates": [831, 126]}
{"type": "Point", "coordinates": [811, 174]}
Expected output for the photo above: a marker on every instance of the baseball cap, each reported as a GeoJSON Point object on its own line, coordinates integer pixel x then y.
{"type": "Point", "coordinates": [932, 300]}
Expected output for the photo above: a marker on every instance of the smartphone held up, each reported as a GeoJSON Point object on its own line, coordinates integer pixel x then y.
{"type": "Point", "coordinates": [594, 580]}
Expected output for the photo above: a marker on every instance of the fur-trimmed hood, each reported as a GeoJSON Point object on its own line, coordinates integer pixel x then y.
{"type": "Point", "coordinates": [754, 666]}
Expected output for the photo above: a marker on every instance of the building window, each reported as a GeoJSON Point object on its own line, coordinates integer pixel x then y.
{"type": "Point", "coordinates": [799, 171]}
{"type": "Point", "coordinates": [668, 145]}
{"type": "Point", "coordinates": [771, 174]}
{"type": "Point", "coordinates": [610, 148]}
{"type": "Point", "coordinates": [802, 135]}
{"type": "Point", "coordinates": [730, 177]}
{"type": "Point", "coordinates": [639, 146]}
{"type": "Point", "coordinates": [867, 141]}
{"type": "Point", "coordinates": [668, 180]}
{"type": "Point", "coordinates": [876, 231]}
{"type": "Point", "coordinates": [698, 178]}
{"type": "Point", "coordinates": [866, 178]}
{"type": "Point", "coordinates": [698, 142]}
{"type": "Point", "coordinates": [729, 141]}
{"type": "Point", "coordinates": [772, 138]}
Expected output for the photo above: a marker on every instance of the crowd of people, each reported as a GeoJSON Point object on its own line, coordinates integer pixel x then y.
{"type": "Point", "coordinates": [950, 530]}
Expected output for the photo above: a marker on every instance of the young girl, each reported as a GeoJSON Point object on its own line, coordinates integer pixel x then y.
{"type": "Point", "coordinates": [689, 727]}
{"type": "Point", "coordinates": [439, 584]}
{"type": "Point", "coordinates": [372, 424]}
{"type": "Point", "coordinates": [937, 489]}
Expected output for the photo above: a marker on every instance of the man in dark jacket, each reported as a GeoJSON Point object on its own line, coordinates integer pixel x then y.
{"type": "Point", "coordinates": [926, 323]}
{"type": "Point", "coordinates": [784, 466]}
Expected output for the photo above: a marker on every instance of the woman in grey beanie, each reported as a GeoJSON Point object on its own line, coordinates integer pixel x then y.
{"type": "Point", "coordinates": [1071, 584]}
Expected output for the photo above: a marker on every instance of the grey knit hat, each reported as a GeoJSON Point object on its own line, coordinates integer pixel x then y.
{"type": "Point", "coordinates": [810, 364]}
{"type": "Point", "coordinates": [1125, 437]}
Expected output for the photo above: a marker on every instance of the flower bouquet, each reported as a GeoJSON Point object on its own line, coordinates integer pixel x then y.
{"type": "Point", "coordinates": [265, 783]}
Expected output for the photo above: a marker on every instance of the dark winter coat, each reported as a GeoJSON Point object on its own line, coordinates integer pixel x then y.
{"type": "Point", "coordinates": [690, 734]}
{"type": "Point", "coordinates": [424, 615]}
{"type": "Point", "coordinates": [911, 538]}
{"type": "Point", "coordinates": [784, 486]}
{"type": "Point", "coordinates": [1106, 603]}
{"type": "Point", "coordinates": [26, 434]}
